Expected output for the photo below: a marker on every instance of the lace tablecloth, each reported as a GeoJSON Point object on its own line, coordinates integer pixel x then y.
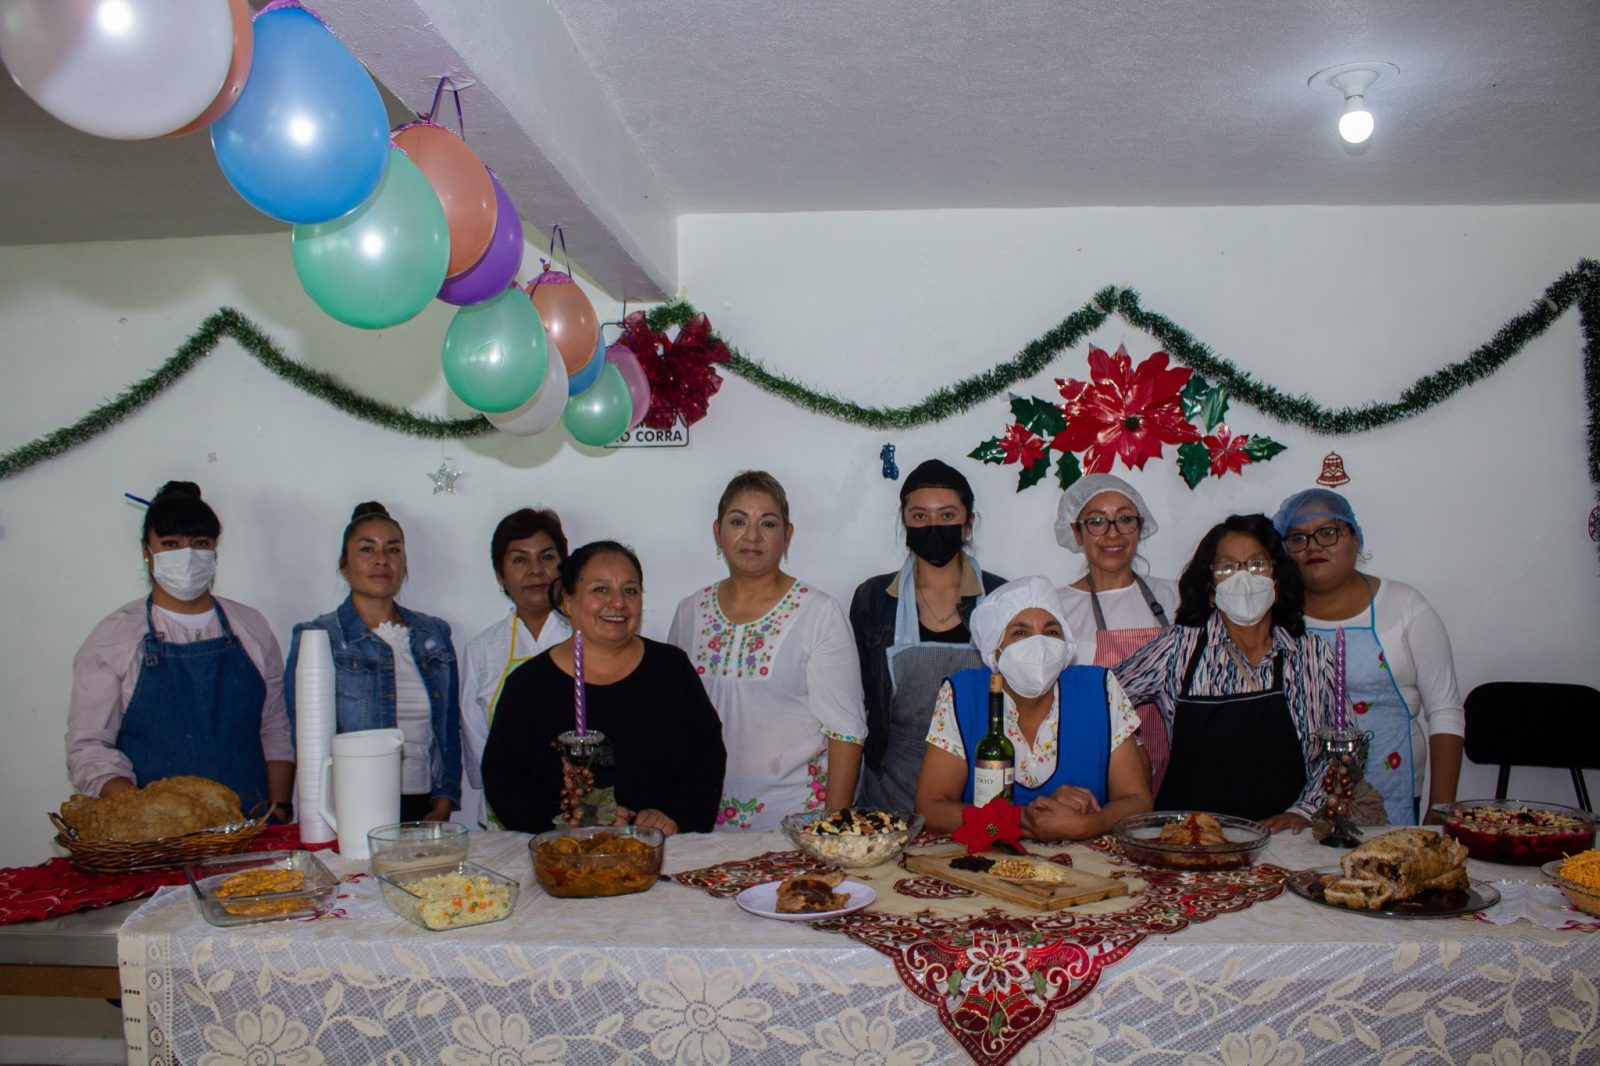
{"type": "Point", "coordinates": [679, 975]}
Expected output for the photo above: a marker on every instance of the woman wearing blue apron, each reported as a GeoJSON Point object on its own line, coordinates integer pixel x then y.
{"type": "Point", "coordinates": [911, 629]}
{"type": "Point", "coordinates": [1078, 767]}
{"type": "Point", "coordinates": [181, 682]}
{"type": "Point", "coordinates": [1400, 675]}
{"type": "Point", "coordinates": [526, 551]}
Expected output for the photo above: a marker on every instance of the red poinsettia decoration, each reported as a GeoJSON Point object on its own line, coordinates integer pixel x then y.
{"type": "Point", "coordinates": [1123, 411]}
{"type": "Point", "coordinates": [995, 825]}
{"type": "Point", "coordinates": [1227, 451]}
{"type": "Point", "coordinates": [1021, 445]}
{"type": "Point", "coordinates": [682, 372]}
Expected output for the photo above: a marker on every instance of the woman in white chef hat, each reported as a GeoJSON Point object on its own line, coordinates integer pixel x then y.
{"type": "Point", "coordinates": [1078, 766]}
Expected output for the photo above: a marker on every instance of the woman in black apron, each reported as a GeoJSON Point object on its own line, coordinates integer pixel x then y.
{"type": "Point", "coordinates": [1243, 687]}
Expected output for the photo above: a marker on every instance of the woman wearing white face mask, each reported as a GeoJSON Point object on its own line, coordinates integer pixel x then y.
{"type": "Point", "coordinates": [181, 681]}
{"type": "Point", "coordinates": [1242, 686]}
{"type": "Point", "coordinates": [1078, 767]}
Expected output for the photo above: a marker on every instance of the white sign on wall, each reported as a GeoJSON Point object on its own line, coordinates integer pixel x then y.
{"type": "Point", "coordinates": [645, 437]}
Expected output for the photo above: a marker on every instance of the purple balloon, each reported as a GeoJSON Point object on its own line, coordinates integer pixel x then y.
{"type": "Point", "coordinates": [499, 263]}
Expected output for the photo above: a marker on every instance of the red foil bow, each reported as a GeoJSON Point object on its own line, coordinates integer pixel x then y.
{"type": "Point", "coordinates": [682, 372]}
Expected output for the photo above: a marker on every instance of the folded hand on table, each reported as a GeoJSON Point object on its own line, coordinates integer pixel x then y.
{"type": "Point", "coordinates": [1062, 815]}
{"type": "Point", "coordinates": [649, 817]}
{"type": "Point", "coordinates": [1297, 823]}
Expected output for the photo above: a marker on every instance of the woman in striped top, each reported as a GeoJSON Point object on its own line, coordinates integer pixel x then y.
{"type": "Point", "coordinates": [1242, 688]}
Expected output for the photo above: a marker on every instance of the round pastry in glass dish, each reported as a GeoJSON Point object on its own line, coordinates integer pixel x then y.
{"type": "Point", "coordinates": [1190, 840]}
{"type": "Point", "coordinates": [1516, 832]}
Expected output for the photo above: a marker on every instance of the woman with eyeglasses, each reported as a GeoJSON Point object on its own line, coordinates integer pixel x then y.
{"type": "Point", "coordinates": [1243, 687]}
{"type": "Point", "coordinates": [1400, 676]}
{"type": "Point", "coordinates": [1113, 610]}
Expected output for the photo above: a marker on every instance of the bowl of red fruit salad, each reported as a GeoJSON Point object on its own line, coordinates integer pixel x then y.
{"type": "Point", "coordinates": [1517, 832]}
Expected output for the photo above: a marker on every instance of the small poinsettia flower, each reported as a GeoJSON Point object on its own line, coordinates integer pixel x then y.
{"type": "Point", "coordinates": [1361, 707]}
{"type": "Point", "coordinates": [1021, 445]}
{"type": "Point", "coordinates": [1227, 451]}
{"type": "Point", "coordinates": [996, 823]}
{"type": "Point", "coordinates": [1394, 760]}
{"type": "Point", "coordinates": [1123, 412]}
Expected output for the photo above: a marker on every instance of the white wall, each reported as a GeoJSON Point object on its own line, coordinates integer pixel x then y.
{"type": "Point", "coordinates": [1480, 503]}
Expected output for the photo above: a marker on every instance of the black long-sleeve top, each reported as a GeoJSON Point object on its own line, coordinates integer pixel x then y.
{"type": "Point", "coordinates": [663, 732]}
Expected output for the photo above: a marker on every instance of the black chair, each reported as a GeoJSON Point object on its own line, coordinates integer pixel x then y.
{"type": "Point", "coordinates": [1535, 723]}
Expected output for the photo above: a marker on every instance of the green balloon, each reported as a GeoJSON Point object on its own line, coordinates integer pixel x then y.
{"type": "Point", "coordinates": [495, 352]}
{"type": "Point", "coordinates": [382, 263]}
{"type": "Point", "coordinates": [601, 413]}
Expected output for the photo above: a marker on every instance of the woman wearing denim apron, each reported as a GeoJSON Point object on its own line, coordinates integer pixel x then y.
{"type": "Point", "coordinates": [911, 629]}
{"type": "Point", "coordinates": [181, 681]}
{"type": "Point", "coordinates": [393, 667]}
{"type": "Point", "coordinates": [526, 551]}
{"type": "Point", "coordinates": [1400, 676]}
{"type": "Point", "coordinates": [1112, 610]}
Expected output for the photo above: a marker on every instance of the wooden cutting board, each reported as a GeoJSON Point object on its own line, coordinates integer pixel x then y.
{"type": "Point", "coordinates": [1080, 887]}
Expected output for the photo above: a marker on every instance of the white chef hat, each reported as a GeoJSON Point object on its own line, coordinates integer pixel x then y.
{"type": "Point", "coordinates": [990, 618]}
{"type": "Point", "coordinates": [1086, 488]}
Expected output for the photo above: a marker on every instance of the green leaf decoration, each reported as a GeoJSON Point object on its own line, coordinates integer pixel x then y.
{"type": "Point", "coordinates": [954, 983]}
{"type": "Point", "coordinates": [1194, 462]}
{"type": "Point", "coordinates": [1068, 470]}
{"type": "Point", "coordinates": [603, 801]}
{"type": "Point", "coordinates": [1033, 473]}
{"type": "Point", "coordinates": [1038, 416]}
{"type": "Point", "coordinates": [997, 1020]}
{"type": "Point", "coordinates": [1040, 986]}
{"type": "Point", "coordinates": [1193, 395]}
{"type": "Point", "coordinates": [1214, 407]}
{"type": "Point", "coordinates": [989, 451]}
{"type": "Point", "coordinates": [1260, 449]}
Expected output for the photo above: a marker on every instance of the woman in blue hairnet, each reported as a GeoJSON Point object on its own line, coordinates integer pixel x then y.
{"type": "Point", "coordinates": [1400, 677]}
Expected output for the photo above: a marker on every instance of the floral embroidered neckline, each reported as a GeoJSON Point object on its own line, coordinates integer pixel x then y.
{"type": "Point", "coordinates": [742, 649]}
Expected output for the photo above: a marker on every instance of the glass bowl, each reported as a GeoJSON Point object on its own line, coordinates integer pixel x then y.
{"type": "Point", "coordinates": [597, 860]}
{"type": "Point", "coordinates": [208, 876]}
{"type": "Point", "coordinates": [416, 846]}
{"type": "Point", "coordinates": [1140, 837]}
{"type": "Point", "coordinates": [1584, 897]}
{"type": "Point", "coordinates": [450, 897]}
{"type": "Point", "coordinates": [853, 838]}
{"type": "Point", "coordinates": [1517, 832]}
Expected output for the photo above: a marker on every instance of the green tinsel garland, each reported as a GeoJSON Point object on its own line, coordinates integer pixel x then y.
{"type": "Point", "coordinates": [1580, 286]}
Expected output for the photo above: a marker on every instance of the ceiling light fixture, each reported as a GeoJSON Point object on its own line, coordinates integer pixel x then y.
{"type": "Point", "coordinates": [1354, 82]}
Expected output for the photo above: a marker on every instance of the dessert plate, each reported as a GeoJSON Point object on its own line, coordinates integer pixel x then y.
{"type": "Point", "coordinates": [762, 901]}
{"type": "Point", "coordinates": [1307, 884]}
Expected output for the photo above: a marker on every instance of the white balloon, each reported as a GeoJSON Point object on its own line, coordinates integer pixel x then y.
{"type": "Point", "coordinates": [544, 410]}
{"type": "Point", "coordinates": [127, 69]}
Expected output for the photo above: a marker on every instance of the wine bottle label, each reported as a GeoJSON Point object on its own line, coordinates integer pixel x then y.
{"type": "Point", "coordinates": [990, 779]}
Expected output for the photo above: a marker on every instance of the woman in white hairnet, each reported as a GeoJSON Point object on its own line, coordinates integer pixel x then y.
{"type": "Point", "coordinates": [1112, 609]}
{"type": "Point", "coordinates": [1078, 767]}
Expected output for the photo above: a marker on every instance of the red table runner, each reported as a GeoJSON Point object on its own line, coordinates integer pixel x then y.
{"type": "Point", "coordinates": [54, 888]}
{"type": "Point", "coordinates": [997, 979]}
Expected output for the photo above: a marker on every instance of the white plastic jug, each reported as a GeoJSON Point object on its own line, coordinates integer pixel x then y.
{"type": "Point", "coordinates": [365, 767]}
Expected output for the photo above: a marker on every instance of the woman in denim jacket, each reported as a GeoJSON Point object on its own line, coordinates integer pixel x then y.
{"type": "Point", "coordinates": [393, 667]}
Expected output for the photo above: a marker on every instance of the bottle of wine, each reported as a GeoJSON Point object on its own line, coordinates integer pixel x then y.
{"type": "Point", "coordinates": [995, 762]}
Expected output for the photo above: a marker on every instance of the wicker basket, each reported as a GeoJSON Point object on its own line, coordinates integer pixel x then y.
{"type": "Point", "coordinates": [125, 856]}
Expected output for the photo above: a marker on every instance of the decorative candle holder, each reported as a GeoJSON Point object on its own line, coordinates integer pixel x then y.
{"type": "Point", "coordinates": [581, 803]}
{"type": "Point", "coordinates": [1347, 762]}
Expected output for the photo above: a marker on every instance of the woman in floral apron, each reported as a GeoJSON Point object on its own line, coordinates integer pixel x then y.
{"type": "Point", "coordinates": [1400, 676]}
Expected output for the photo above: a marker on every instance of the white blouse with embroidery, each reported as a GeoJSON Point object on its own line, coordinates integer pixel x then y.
{"type": "Point", "coordinates": [783, 685]}
{"type": "Point", "coordinates": [1035, 763]}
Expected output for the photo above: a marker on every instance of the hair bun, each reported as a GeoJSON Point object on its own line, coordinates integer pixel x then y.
{"type": "Point", "coordinates": [371, 507]}
{"type": "Point", "coordinates": [177, 489]}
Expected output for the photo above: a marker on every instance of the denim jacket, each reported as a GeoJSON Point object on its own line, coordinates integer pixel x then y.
{"type": "Point", "coordinates": [364, 683]}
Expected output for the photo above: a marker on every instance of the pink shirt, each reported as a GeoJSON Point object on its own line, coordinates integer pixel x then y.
{"type": "Point", "coordinates": [106, 669]}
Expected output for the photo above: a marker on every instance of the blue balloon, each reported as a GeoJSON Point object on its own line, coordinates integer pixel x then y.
{"type": "Point", "coordinates": [308, 138]}
{"type": "Point", "coordinates": [585, 378]}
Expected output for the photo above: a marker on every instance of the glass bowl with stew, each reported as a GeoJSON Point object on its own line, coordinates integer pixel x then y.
{"type": "Point", "coordinates": [596, 860]}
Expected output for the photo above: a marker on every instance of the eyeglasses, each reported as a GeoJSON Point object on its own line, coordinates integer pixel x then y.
{"type": "Point", "coordinates": [1097, 525]}
{"type": "Point", "coordinates": [1327, 536]}
{"type": "Point", "coordinates": [1220, 572]}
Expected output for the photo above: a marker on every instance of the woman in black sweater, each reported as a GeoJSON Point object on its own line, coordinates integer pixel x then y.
{"type": "Point", "coordinates": [665, 756]}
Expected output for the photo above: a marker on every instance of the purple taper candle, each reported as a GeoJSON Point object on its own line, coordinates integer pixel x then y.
{"type": "Point", "coordinates": [1338, 679]}
{"type": "Point", "coordinates": [581, 713]}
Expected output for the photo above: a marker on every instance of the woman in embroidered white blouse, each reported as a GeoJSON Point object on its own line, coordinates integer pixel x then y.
{"type": "Point", "coordinates": [779, 663]}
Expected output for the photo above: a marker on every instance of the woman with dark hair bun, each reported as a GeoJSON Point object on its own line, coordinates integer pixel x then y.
{"type": "Point", "coordinates": [663, 752]}
{"type": "Point", "coordinates": [182, 681]}
{"type": "Point", "coordinates": [1242, 687]}
{"type": "Point", "coordinates": [526, 552]}
{"type": "Point", "coordinates": [393, 667]}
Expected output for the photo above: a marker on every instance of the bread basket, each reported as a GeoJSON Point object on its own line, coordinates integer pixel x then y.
{"type": "Point", "coordinates": [126, 856]}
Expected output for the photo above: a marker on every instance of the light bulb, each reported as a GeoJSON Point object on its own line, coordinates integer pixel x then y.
{"type": "Point", "coordinates": [1355, 125]}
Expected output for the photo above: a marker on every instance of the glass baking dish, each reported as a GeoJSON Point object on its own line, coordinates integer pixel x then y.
{"type": "Point", "coordinates": [313, 896]}
{"type": "Point", "coordinates": [450, 897]}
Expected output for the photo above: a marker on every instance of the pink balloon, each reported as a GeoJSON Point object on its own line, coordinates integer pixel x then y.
{"type": "Point", "coordinates": [627, 363]}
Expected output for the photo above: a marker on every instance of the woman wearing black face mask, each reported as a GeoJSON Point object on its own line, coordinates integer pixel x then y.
{"type": "Point", "coordinates": [911, 629]}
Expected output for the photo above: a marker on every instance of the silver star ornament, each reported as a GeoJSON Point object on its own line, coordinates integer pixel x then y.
{"type": "Point", "coordinates": [444, 479]}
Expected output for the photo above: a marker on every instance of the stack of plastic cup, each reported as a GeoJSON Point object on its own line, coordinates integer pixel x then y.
{"type": "Point", "coordinates": [315, 721]}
